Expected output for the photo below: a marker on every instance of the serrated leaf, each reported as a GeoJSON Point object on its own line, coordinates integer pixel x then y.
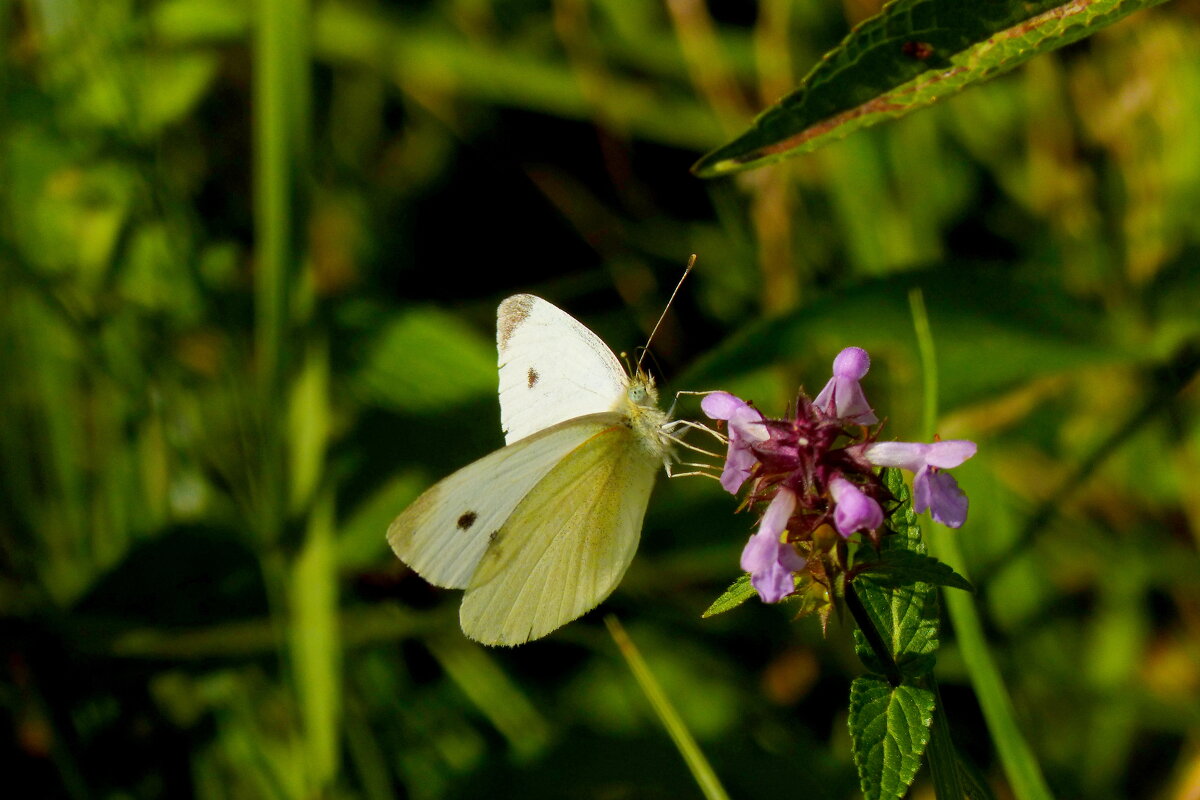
{"type": "Point", "coordinates": [889, 728]}
{"type": "Point", "coordinates": [738, 592]}
{"type": "Point", "coordinates": [902, 520]}
{"type": "Point", "coordinates": [911, 54]}
{"type": "Point", "coordinates": [911, 665]}
{"type": "Point", "coordinates": [896, 568]}
{"type": "Point", "coordinates": [906, 616]}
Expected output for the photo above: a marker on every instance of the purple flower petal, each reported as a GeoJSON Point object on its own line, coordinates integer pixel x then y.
{"type": "Point", "coordinates": [745, 429]}
{"type": "Point", "coordinates": [947, 502]}
{"type": "Point", "coordinates": [905, 455]}
{"type": "Point", "coordinates": [854, 511]}
{"type": "Point", "coordinates": [852, 363]}
{"type": "Point", "coordinates": [949, 453]}
{"type": "Point", "coordinates": [746, 424]}
{"type": "Point", "coordinates": [770, 561]}
{"type": "Point", "coordinates": [932, 489]}
{"type": "Point", "coordinates": [921, 490]}
{"type": "Point", "coordinates": [721, 405]}
{"type": "Point", "coordinates": [739, 462]}
{"type": "Point", "coordinates": [842, 396]}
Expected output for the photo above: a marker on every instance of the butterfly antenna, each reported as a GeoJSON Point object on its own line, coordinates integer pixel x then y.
{"type": "Point", "coordinates": [691, 263]}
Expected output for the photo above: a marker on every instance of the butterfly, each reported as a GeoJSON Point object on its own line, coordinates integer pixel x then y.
{"type": "Point", "coordinates": [541, 531]}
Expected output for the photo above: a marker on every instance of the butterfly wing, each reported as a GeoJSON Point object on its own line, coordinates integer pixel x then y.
{"type": "Point", "coordinates": [445, 532]}
{"type": "Point", "coordinates": [566, 545]}
{"type": "Point", "coordinates": [552, 368]}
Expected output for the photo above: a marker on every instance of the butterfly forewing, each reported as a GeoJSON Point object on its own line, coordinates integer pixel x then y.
{"type": "Point", "coordinates": [444, 533]}
{"type": "Point", "coordinates": [552, 368]}
{"type": "Point", "coordinates": [566, 545]}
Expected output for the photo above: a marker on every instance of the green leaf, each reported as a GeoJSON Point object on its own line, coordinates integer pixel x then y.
{"type": "Point", "coordinates": [889, 728]}
{"type": "Point", "coordinates": [738, 592]}
{"type": "Point", "coordinates": [423, 359]}
{"type": "Point", "coordinates": [910, 55]}
{"type": "Point", "coordinates": [906, 616]}
{"type": "Point", "coordinates": [895, 568]}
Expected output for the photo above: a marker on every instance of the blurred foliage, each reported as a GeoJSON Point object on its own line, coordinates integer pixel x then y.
{"type": "Point", "coordinates": [246, 312]}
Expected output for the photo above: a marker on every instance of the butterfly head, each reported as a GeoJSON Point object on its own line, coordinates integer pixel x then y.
{"type": "Point", "coordinates": [641, 390]}
{"type": "Point", "coordinates": [644, 415]}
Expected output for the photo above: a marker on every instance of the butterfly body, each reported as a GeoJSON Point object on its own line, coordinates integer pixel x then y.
{"type": "Point", "coordinates": [542, 530]}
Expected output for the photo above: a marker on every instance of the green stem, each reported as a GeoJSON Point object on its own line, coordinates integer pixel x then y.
{"type": "Point", "coordinates": [693, 756]}
{"type": "Point", "coordinates": [281, 88]}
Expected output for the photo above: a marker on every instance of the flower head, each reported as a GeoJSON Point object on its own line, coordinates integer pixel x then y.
{"type": "Point", "coordinates": [937, 491]}
{"type": "Point", "coordinates": [815, 471]}
{"type": "Point", "coordinates": [770, 560]}
{"type": "Point", "coordinates": [842, 396]}
{"type": "Point", "coordinates": [745, 429]}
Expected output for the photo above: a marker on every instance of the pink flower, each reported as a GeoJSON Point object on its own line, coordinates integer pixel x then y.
{"type": "Point", "coordinates": [854, 511]}
{"type": "Point", "coordinates": [771, 561]}
{"type": "Point", "coordinates": [842, 396]}
{"type": "Point", "coordinates": [745, 430]}
{"type": "Point", "coordinates": [937, 491]}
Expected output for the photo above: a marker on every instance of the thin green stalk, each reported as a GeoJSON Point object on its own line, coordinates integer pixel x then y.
{"type": "Point", "coordinates": [697, 764]}
{"type": "Point", "coordinates": [281, 88]}
{"type": "Point", "coordinates": [1016, 757]}
{"type": "Point", "coordinates": [274, 153]}
{"type": "Point", "coordinates": [303, 585]}
{"type": "Point", "coordinates": [316, 644]}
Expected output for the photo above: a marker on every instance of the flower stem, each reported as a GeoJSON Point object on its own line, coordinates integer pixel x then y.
{"type": "Point", "coordinates": [867, 626]}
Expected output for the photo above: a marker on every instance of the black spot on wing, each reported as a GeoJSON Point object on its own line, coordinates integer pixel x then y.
{"type": "Point", "coordinates": [467, 520]}
{"type": "Point", "coordinates": [533, 377]}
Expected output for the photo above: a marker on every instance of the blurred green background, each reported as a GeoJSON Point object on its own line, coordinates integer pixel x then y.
{"type": "Point", "coordinates": [250, 254]}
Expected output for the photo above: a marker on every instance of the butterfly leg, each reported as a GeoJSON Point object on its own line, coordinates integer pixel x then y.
{"type": "Point", "coordinates": [698, 426]}
{"type": "Point", "coordinates": [682, 392]}
{"type": "Point", "coordinates": [688, 445]}
{"type": "Point", "coordinates": [700, 471]}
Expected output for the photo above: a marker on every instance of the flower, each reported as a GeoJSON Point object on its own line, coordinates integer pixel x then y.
{"type": "Point", "coordinates": [816, 469]}
{"type": "Point", "coordinates": [770, 560]}
{"type": "Point", "coordinates": [854, 511]}
{"type": "Point", "coordinates": [842, 396]}
{"type": "Point", "coordinates": [937, 491]}
{"type": "Point", "coordinates": [745, 430]}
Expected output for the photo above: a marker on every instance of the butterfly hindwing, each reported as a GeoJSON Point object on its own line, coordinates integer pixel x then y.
{"type": "Point", "coordinates": [552, 368]}
{"type": "Point", "coordinates": [566, 545]}
{"type": "Point", "coordinates": [444, 533]}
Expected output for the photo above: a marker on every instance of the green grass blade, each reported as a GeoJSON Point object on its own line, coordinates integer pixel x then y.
{"type": "Point", "coordinates": [697, 764]}
{"type": "Point", "coordinates": [943, 757]}
{"type": "Point", "coordinates": [281, 122]}
{"type": "Point", "coordinates": [484, 682]}
{"type": "Point", "coordinates": [315, 644]}
{"type": "Point", "coordinates": [1016, 756]}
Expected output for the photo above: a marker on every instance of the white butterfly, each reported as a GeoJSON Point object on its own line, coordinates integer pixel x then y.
{"type": "Point", "coordinates": [542, 530]}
